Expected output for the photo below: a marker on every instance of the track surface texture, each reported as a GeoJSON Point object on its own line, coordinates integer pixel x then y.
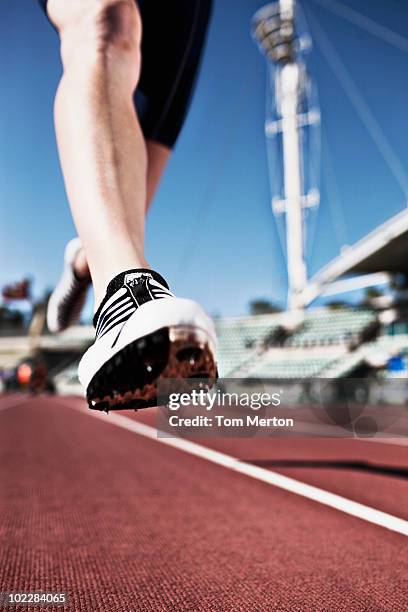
{"type": "Point", "coordinates": [124, 523]}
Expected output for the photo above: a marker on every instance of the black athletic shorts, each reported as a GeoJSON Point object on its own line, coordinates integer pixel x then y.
{"type": "Point", "coordinates": [174, 33]}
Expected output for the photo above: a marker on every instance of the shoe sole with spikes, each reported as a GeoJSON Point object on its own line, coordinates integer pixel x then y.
{"type": "Point", "coordinates": [164, 339]}
{"type": "Point", "coordinates": [131, 378]}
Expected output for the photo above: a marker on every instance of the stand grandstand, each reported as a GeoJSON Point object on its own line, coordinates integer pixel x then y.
{"type": "Point", "coordinates": [329, 343]}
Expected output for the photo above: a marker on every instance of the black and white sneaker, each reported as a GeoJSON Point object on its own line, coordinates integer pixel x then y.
{"type": "Point", "coordinates": [144, 334]}
{"type": "Point", "coordinates": [68, 298]}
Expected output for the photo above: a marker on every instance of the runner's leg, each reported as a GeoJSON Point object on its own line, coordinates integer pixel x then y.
{"type": "Point", "coordinates": [157, 158]}
{"type": "Point", "coordinates": [101, 145]}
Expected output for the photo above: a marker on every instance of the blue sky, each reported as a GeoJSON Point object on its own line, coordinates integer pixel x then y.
{"type": "Point", "coordinates": [211, 231]}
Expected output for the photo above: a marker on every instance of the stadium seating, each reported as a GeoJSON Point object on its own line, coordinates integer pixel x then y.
{"type": "Point", "coordinates": [398, 342]}
{"type": "Point", "coordinates": [270, 365]}
{"type": "Point", "coordinates": [326, 327]}
{"type": "Point", "coordinates": [241, 338]}
{"type": "Point", "coordinates": [375, 353]}
{"type": "Point", "coordinates": [12, 351]}
{"type": "Point", "coordinates": [258, 346]}
{"type": "Point", "coordinates": [243, 341]}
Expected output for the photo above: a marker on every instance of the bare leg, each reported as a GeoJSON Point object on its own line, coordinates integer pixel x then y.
{"type": "Point", "coordinates": [157, 158]}
{"type": "Point", "coordinates": [101, 146]}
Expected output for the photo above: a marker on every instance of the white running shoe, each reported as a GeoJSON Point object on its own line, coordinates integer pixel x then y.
{"type": "Point", "coordinates": [68, 298]}
{"type": "Point", "coordinates": [144, 334]}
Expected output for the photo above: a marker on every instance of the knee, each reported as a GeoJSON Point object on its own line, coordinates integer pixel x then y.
{"type": "Point", "coordinates": [92, 28]}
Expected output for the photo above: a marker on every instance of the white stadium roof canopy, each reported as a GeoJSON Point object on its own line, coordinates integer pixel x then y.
{"type": "Point", "coordinates": [384, 250]}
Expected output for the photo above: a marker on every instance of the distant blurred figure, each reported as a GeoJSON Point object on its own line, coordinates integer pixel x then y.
{"type": "Point", "coordinates": [24, 373]}
{"type": "Point", "coordinates": [20, 290]}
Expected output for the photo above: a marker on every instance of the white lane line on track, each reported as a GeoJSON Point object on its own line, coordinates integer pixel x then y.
{"type": "Point", "coordinates": [371, 515]}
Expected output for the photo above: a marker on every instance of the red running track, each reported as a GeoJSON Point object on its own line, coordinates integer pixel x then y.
{"type": "Point", "coordinates": [121, 522]}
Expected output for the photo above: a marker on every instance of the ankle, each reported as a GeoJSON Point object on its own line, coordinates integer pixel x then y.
{"type": "Point", "coordinates": [102, 281]}
{"type": "Point", "coordinates": [137, 282]}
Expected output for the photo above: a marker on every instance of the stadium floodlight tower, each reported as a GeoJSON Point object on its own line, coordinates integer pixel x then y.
{"type": "Point", "coordinates": [273, 28]}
